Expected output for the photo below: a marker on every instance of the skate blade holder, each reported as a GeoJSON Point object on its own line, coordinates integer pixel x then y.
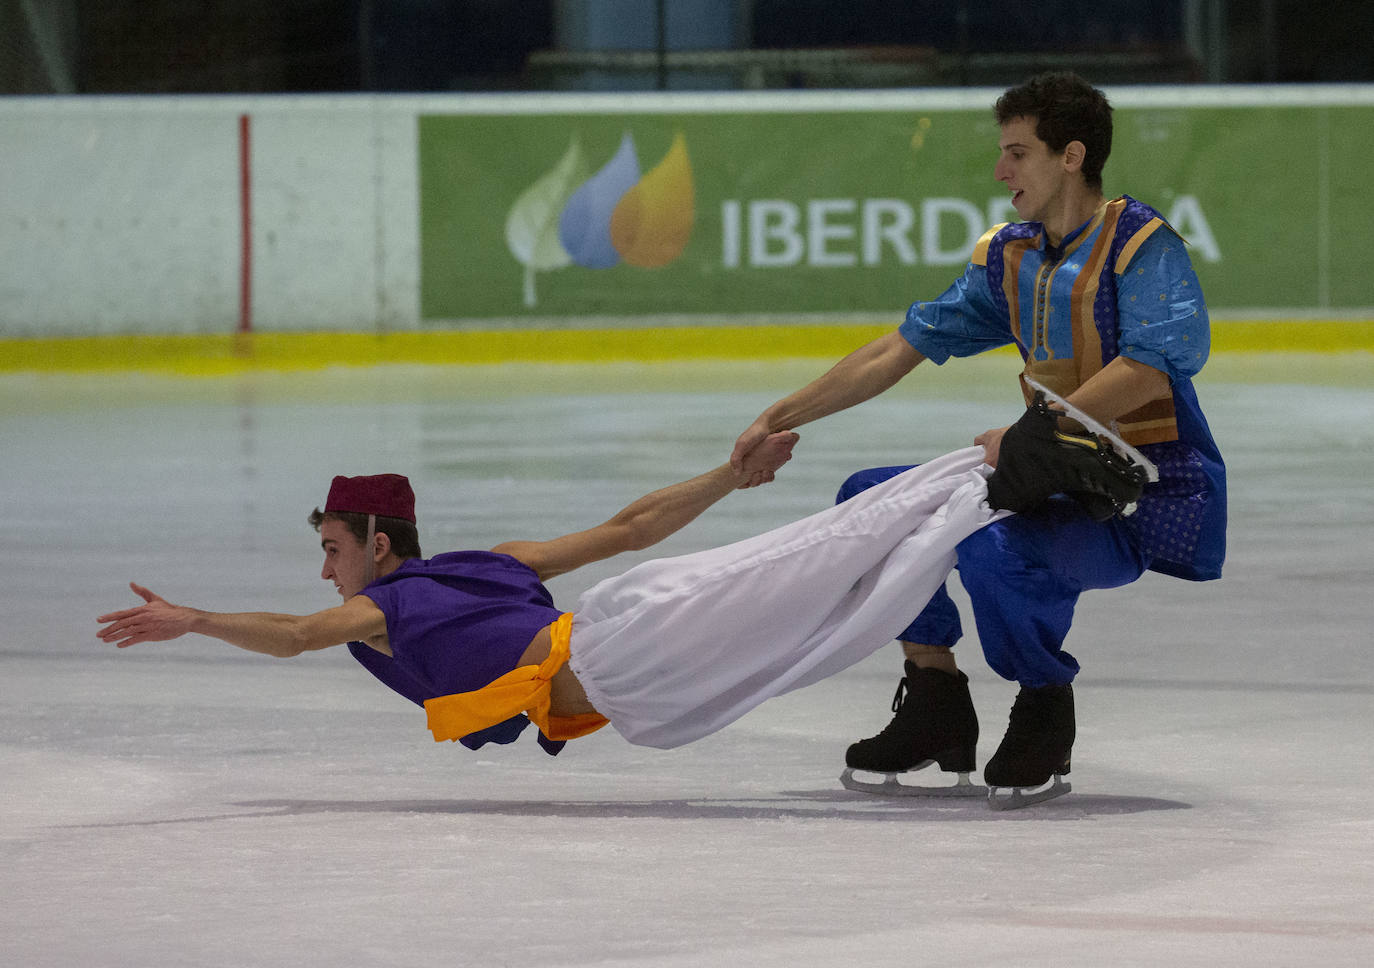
{"type": "Point", "coordinates": [890, 786]}
{"type": "Point", "coordinates": [1014, 798]}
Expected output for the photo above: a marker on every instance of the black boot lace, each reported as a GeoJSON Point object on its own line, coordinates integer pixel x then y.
{"type": "Point", "coordinates": [900, 696]}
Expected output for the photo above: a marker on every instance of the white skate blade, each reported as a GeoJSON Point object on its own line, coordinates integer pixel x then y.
{"type": "Point", "coordinates": [1151, 471]}
{"type": "Point", "coordinates": [890, 786]}
{"type": "Point", "coordinates": [1017, 797]}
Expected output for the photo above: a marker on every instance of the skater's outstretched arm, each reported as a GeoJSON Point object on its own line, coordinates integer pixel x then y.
{"type": "Point", "coordinates": [651, 518]}
{"type": "Point", "coordinates": [862, 375]}
{"type": "Point", "coordinates": [269, 633]}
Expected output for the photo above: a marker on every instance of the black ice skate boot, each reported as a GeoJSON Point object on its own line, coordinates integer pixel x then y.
{"type": "Point", "coordinates": [1030, 764]}
{"type": "Point", "coordinates": [935, 723]}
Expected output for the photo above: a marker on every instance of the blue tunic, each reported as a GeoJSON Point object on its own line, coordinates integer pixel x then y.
{"type": "Point", "coordinates": [1119, 285]}
{"type": "Point", "coordinates": [455, 623]}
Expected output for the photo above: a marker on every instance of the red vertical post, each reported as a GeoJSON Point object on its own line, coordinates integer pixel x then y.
{"type": "Point", "coordinates": [246, 226]}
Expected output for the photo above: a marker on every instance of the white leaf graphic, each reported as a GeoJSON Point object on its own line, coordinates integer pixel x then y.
{"type": "Point", "coordinates": [532, 223]}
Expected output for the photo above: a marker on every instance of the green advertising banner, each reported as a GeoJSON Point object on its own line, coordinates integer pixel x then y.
{"type": "Point", "coordinates": [529, 217]}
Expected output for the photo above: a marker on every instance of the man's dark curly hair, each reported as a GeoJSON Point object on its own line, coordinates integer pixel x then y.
{"type": "Point", "coordinates": [1065, 108]}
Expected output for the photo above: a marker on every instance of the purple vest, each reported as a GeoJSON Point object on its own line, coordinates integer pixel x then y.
{"type": "Point", "coordinates": [455, 623]}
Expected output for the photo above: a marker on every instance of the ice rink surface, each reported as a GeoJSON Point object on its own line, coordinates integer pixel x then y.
{"type": "Point", "coordinates": [188, 804]}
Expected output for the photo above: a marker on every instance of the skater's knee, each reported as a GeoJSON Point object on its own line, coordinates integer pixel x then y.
{"type": "Point", "coordinates": [853, 484]}
{"type": "Point", "coordinates": [862, 480]}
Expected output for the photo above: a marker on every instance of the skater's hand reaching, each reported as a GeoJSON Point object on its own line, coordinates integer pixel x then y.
{"type": "Point", "coordinates": [991, 442]}
{"type": "Point", "coordinates": [267, 633]}
{"type": "Point", "coordinates": [760, 462]}
{"type": "Point", "coordinates": [758, 454]}
{"type": "Point", "coordinates": [156, 621]}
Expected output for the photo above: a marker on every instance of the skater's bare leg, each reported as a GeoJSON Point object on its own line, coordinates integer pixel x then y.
{"type": "Point", "coordinates": [931, 657]}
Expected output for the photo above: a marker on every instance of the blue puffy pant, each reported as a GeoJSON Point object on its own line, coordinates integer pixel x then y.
{"type": "Point", "coordinates": [1023, 575]}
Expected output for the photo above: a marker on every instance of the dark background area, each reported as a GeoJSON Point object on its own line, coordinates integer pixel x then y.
{"type": "Point", "coordinates": [223, 46]}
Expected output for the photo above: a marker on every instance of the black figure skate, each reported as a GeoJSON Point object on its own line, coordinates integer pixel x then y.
{"type": "Point", "coordinates": [1030, 765]}
{"type": "Point", "coordinates": [1096, 467]}
{"type": "Point", "coordinates": [935, 723]}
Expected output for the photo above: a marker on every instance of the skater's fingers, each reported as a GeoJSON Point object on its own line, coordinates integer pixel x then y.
{"type": "Point", "coordinates": [120, 615]}
{"type": "Point", "coordinates": [122, 635]}
{"type": "Point", "coordinates": [991, 442]}
{"type": "Point", "coordinates": [146, 594]}
{"type": "Point", "coordinates": [753, 435]}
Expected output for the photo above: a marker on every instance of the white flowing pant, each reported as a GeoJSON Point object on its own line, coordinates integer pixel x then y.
{"type": "Point", "coordinates": [677, 648]}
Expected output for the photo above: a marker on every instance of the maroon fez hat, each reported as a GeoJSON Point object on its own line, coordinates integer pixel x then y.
{"type": "Point", "coordinates": [385, 495]}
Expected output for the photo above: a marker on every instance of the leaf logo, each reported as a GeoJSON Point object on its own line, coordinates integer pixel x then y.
{"type": "Point", "coordinates": [652, 222]}
{"type": "Point", "coordinates": [532, 223]}
{"type": "Point", "coordinates": [611, 216]}
{"type": "Point", "coordinates": [584, 228]}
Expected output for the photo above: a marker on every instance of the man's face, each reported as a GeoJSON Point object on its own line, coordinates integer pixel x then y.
{"type": "Point", "coordinates": [345, 559]}
{"type": "Point", "coordinates": [1034, 173]}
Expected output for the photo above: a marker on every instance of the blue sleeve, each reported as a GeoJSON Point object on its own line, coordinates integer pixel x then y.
{"type": "Point", "coordinates": [963, 321]}
{"type": "Point", "coordinates": [1162, 316]}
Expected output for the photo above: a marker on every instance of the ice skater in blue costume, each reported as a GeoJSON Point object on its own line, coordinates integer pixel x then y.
{"type": "Point", "coordinates": [1100, 298]}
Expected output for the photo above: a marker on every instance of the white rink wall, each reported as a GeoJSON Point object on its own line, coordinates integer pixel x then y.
{"type": "Point", "coordinates": [124, 215]}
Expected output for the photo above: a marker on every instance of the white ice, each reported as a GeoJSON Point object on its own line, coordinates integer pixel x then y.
{"type": "Point", "coordinates": [187, 804]}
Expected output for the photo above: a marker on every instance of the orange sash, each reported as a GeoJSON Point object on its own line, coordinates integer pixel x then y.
{"type": "Point", "coordinates": [523, 690]}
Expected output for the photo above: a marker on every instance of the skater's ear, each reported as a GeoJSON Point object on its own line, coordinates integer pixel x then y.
{"type": "Point", "coordinates": [381, 546]}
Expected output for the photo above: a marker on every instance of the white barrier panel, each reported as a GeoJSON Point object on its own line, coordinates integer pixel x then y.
{"type": "Point", "coordinates": [126, 215]}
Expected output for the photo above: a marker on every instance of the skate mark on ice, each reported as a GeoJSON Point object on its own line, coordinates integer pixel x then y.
{"type": "Point", "coordinates": [1194, 924]}
{"type": "Point", "coordinates": [789, 805]}
{"type": "Point", "coordinates": [1219, 685]}
{"type": "Point", "coordinates": [1077, 806]}
{"type": "Point", "coordinates": [785, 807]}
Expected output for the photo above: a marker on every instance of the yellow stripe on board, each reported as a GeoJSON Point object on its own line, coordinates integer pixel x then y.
{"type": "Point", "coordinates": [1293, 336]}
{"type": "Point", "coordinates": [211, 355]}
